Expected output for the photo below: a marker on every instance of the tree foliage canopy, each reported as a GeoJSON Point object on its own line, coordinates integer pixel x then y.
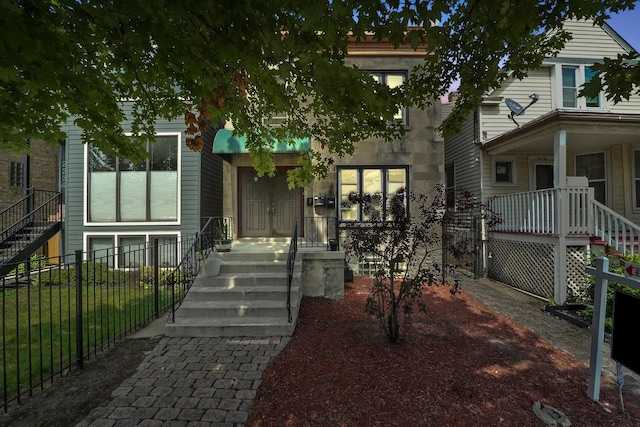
{"type": "Point", "coordinates": [246, 61]}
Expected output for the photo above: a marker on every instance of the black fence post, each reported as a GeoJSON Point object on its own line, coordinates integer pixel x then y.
{"type": "Point", "coordinates": [79, 336]}
{"type": "Point", "coordinates": [156, 287]}
{"type": "Point", "coordinates": [445, 250]}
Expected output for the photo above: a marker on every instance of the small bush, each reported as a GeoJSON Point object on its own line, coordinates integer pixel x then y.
{"type": "Point", "coordinates": [616, 265]}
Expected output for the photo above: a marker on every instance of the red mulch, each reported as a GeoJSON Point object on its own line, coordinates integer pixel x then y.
{"type": "Point", "coordinates": [461, 364]}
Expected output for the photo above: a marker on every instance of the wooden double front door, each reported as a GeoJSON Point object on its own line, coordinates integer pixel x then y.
{"type": "Point", "coordinates": [268, 207]}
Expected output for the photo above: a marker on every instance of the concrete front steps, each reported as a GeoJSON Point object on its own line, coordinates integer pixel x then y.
{"type": "Point", "coordinates": [247, 298]}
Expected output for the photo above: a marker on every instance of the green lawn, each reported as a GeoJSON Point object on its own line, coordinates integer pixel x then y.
{"type": "Point", "coordinates": [39, 327]}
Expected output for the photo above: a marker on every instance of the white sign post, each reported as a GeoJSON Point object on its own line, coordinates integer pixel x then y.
{"type": "Point", "coordinates": [602, 275]}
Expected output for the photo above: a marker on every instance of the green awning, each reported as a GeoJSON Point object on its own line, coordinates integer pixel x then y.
{"type": "Point", "coordinates": [226, 142]}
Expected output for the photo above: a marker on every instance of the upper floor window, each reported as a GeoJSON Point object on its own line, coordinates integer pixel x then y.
{"type": "Point", "coordinates": [393, 80]}
{"type": "Point", "coordinates": [574, 76]}
{"type": "Point", "coordinates": [16, 174]}
{"type": "Point", "coordinates": [380, 186]}
{"type": "Point", "coordinates": [120, 190]}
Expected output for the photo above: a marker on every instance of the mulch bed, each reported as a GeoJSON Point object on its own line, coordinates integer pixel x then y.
{"type": "Point", "coordinates": [460, 364]}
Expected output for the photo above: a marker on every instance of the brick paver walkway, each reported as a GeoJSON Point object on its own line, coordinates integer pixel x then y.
{"type": "Point", "coordinates": [191, 382]}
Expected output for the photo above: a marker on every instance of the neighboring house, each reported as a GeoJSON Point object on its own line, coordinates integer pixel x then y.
{"type": "Point", "coordinates": [113, 202]}
{"type": "Point", "coordinates": [39, 170]}
{"type": "Point", "coordinates": [561, 174]}
{"type": "Point", "coordinates": [265, 207]}
{"type": "Point", "coordinates": [29, 198]}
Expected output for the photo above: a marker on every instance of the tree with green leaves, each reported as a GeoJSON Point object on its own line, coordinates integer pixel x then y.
{"type": "Point", "coordinates": [246, 61]}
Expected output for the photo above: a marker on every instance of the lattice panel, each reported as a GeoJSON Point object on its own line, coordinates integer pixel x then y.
{"type": "Point", "coordinates": [576, 277]}
{"type": "Point", "coordinates": [523, 265]}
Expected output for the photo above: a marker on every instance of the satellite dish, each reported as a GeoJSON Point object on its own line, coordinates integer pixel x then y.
{"type": "Point", "coordinates": [517, 109]}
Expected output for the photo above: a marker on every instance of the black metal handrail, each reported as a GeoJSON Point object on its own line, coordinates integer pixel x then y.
{"type": "Point", "coordinates": [23, 225]}
{"type": "Point", "coordinates": [189, 266]}
{"type": "Point", "coordinates": [291, 260]}
{"type": "Point", "coordinates": [36, 205]}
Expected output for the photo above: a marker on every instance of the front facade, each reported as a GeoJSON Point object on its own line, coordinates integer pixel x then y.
{"type": "Point", "coordinates": [265, 207]}
{"type": "Point", "coordinates": [553, 170]}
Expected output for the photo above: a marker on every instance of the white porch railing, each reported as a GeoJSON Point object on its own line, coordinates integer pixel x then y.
{"type": "Point", "coordinates": [614, 229]}
{"type": "Point", "coordinates": [555, 211]}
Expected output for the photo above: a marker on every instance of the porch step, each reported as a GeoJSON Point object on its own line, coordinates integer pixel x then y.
{"type": "Point", "coordinates": [247, 298]}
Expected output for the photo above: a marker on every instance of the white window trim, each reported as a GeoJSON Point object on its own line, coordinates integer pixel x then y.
{"type": "Point", "coordinates": [514, 171]}
{"type": "Point", "coordinates": [116, 237]}
{"type": "Point", "coordinates": [581, 102]}
{"type": "Point", "coordinates": [85, 190]}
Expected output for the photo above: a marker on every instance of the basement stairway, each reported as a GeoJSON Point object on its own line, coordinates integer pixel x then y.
{"type": "Point", "coordinates": [247, 298]}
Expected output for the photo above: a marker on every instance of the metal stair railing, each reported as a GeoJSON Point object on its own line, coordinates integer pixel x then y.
{"type": "Point", "coordinates": [614, 229]}
{"type": "Point", "coordinates": [25, 221]}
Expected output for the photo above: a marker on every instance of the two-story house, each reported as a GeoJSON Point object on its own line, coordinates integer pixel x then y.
{"type": "Point", "coordinates": [559, 169]}
{"type": "Point", "coordinates": [265, 207]}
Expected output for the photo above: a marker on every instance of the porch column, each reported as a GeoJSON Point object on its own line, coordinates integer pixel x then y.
{"type": "Point", "coordinates": [560, 181]}
{"type": "Point", "coordinates": [560, 158]}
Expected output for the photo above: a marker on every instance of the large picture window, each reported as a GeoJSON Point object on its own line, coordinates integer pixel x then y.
{"type": "Point", "coordinates": [120, 190]}
{"type": "Point", "coordinates": [378, 184]}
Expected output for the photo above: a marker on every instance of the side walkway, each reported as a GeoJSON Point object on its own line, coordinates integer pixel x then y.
{"type": "Point", "coordinates": [528, 311]}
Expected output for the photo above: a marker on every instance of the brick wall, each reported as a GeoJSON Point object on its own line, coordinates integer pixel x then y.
{"type": "Point", "coordinates": [44, 162]}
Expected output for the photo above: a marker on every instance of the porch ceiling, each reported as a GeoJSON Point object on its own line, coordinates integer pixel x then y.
{"type": "Point", "coordinates": [585, 132]}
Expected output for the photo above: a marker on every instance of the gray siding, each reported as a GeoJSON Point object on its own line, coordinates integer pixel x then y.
{"type": "Point", "coordinates": [189, 191]}
{"type": "Point", "coordinates": [462, 151]}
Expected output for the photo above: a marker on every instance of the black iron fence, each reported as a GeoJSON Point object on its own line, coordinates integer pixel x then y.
{"type": "Point", "coordinates": [56, 313]}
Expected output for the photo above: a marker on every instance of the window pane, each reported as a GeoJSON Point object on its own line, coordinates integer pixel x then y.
{"type": "Point", "coordinates": [636, 154]}
{"type": "Point", "coordinates": [348, 179]}
{"type": "Point", "coordinates": [167, 251]}
{"type": "Point", "coordinates": [102, 196]}
{"type": "Point", "coordinates": [164, 154]}
{"type": "Point", "coordinates": [133, 192]}
{"type": "Point", "coordinates": [396, 203]}
{"type": "Point", "coordinates": [569, 87]}
{"type": "Point", "coordinates": [590, 165]}
{"type": "Point", "coordinates": [164, 196]}
{"type": "Point", "coordinates": [504, 172]}
{"type": "Point", "coordinates": [131, 251]}
{"type": "Point", "coordinates": [102, 186]}
{"type": "Point", "coordinates": [395, 80]}
{"type": "Point", "coordinates": [101, 249]}
{"type": "Point", "coordinates": [588, 74]}
{"type": "Point", "coordinates": [372, 180]}
{"type": "Point", "coordinates": [569, 98]}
